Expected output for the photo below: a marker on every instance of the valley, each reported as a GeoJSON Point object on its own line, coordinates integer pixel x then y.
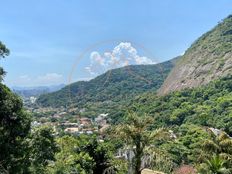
{"type": "Point", "coordinates": [171, 117]}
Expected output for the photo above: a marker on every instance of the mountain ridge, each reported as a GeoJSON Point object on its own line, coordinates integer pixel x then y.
{"type": "Point", "coordinates": [207, 59]}
{"type": "Point", "coordinates": [36, 91]}
{"type": "Point", "coordinates": [113, 85]}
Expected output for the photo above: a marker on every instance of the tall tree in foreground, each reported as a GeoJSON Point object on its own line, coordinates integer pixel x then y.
{"type": "Point", "coordinates": [14, 127]}
{"type": "Point", "coordinates": [138, 136]}
{"type": "Point", "coordinates": [84, 154]}
{"type": "Point", "coordinates": [42, 148]}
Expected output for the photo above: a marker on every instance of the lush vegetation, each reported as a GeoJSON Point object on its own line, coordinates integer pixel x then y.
{"type": "Point", "coordinates": [209, 105]}
{"type": "Point", "coordinates": [139, 139]}
{"type": "Point", "coordinates": [4, 51]}
{"type": "Point", "coordinates": [14, 126]}
{"type": "Point", "coordinates": [113, 86]}
{"type": "Point", "coordinates": [221, 36]}
{"type": "Point", "coordinates": [186, 131]}
{"type": "Point", "coordinates": [84, 154]}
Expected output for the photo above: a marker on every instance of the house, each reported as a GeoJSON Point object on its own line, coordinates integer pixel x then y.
{"type": "Point", "coordinates": [101, 119]}
{"type": "Point", "coordinates": [56, 116]}
{"type": "Point", "coordinates": [35, 124]}
{"type": "Point", "coordinates": [72, 130]}
{"type": "Point", "coordinates": [104, 128]}
{"type": "Point", "coordinates": [217, 132]}
{"type": "Point", "coordinates": [85, 121]}
{"type": "Point", "coordinates": [68, 124]}
{"type": "Point", "coordinates": [62, 113]}
{"type": "Point", "coordinates": [82, 110]}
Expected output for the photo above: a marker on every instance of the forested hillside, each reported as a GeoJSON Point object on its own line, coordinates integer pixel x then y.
{"type": "Point", "coordinates": [209, 106]}
{"type": "Point", "coordinates": [114, 85]}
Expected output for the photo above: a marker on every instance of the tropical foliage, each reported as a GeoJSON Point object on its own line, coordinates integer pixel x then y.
{"type": "Point", "coordinates": [208, 105]}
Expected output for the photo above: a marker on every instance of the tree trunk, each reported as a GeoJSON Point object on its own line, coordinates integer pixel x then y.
{"type": "Point", "coordinates": [138, 157]}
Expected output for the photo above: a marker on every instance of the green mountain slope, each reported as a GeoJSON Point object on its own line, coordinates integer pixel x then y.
{"type": "Point", "coordinates": [209, 105]}
{"type": "Point", "coordinates": [114, 85]}
{"type": "Point", "coordinates": [209, 58]}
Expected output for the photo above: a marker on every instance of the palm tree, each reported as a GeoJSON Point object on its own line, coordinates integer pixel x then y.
{"type": "Point", "coordinates": [218, 152]}
{"type": "Point", "coordinates": [136, 133]}
{"type": "Point", "coordinates": [216, 165]}
{"type": "Point", "coordinates": [220, 145]}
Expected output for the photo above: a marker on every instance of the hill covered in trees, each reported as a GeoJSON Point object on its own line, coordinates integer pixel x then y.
{"type": "Point", "coordinates": [209, 106]}
{"type": "Point", "coordinates": [114, 85]}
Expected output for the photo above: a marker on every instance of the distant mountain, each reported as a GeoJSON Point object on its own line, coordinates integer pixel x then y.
{"type": "Point", "coordinates": [36, 91]}
{"type": "Point", "coordinates": [209, 58]}
{"type": "Point", "coordinates": [114, 85]}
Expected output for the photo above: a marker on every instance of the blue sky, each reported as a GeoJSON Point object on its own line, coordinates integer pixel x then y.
{"type": "Point", "coordinates": [60, 41]}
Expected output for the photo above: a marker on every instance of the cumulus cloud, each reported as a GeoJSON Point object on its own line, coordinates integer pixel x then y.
{"type": "Point", "coordinates": [96, 57]}
{"type": "Point", "coordinates": [122, 55]}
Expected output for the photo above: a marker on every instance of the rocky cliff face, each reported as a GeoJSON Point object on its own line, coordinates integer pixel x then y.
{"type": "Point", "coordinates": [209, 58]}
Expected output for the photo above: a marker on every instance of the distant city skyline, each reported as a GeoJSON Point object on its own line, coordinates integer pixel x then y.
{"type": "Point", "coordinates": [56, 42]}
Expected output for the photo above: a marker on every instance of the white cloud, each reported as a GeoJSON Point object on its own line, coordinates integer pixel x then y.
{"type": "Point", "coordinates": [49, 78]}
{"type": "Point", "coordinates": [181, 54]}
{"type": "Point", "coordinates": [143, 60]}
{"type": "Point", "coordinates": [89, 69]}
{"type": "Point", "coordinates": [24, 77]}
{"type": "Point", "coordinates": [122, 55]}
{"type": "Point", "coordinates": [40, 80]}
{"type": "Point", "coordinates": [96, 57]}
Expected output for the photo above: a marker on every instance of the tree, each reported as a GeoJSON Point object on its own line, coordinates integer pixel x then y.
{"type": "Point", "coordinates": [42, 148]}
{"type": "Point", "coordinates": [4, 51]}
{"type": "Point", "coordinates": [215, 165]}
{"type": "Point", "coordinates": [68, 161]}
{"type": "Point", "coordinates": [218, 154]}
{"type": "Point", "coordinates": [137, 135]}
{"type": "Point", "coordinates": [219, 145]}
{"type": "Point", "coordinates": [100, 152]}
{"type": "Point", "coordinates": [19, 150]}
{"type": "Point", "coordinates": [83, 154]}
{"type": "Point", "coordinates": [14, 127]}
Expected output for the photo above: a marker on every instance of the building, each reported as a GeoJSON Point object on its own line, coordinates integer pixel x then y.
{"type": "Point", "coordinates": [72, 130]}
{"type": "Point", "coordinates": [101, 119]}
{"type": "Point", "coordinates": [85, 121]}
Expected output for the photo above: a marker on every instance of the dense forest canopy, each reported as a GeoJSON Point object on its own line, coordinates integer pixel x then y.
{"type": "Point", "coordinates": [208, 105]}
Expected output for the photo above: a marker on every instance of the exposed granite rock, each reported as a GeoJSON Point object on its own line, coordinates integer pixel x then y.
{"type": "Point", "coordinates": [209, 58]}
